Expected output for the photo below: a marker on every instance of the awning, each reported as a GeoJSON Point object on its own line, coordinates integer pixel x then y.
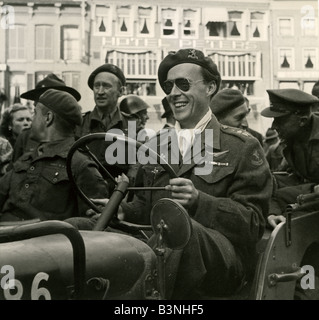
{"type": "Point", "coordinates": [215, 15]}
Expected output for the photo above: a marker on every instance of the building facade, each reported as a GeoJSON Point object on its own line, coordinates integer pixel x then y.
{"type": "Point", "coordinates": [257, 45]}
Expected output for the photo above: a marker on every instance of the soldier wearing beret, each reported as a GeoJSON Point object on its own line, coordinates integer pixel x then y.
{"type": "Point", "coordinates": [108, 84]}
{"type": "Point", "coordinates": [231, 108]}
{"type": "Point", "coordinates": [227, 205]}
{"type": "Point", "coordinates": [298, 128]}
{"type": "Point", "coordinates": [51, 81]}
{"type": "Point", "coordinates": [38, 184]}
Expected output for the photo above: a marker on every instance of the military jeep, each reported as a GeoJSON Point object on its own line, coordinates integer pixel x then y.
{"type": "Point", "coordinates": [53, 260]}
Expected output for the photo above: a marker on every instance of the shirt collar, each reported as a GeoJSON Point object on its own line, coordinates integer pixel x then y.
{"type": "Point", "coordinates": [55, 148]}
{"type": "Point", "coordinates": [201, 124]}
{"type": "Point", "coordinates": [115, 117]}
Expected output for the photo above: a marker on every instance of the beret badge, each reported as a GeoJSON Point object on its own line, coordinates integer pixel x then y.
{"type": "Point", "coordinates": [192, 54]}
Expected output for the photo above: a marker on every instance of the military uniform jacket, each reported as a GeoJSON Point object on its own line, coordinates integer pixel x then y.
{"type": "Point", "coordinates": [92, 123]}
{"type": "Point", "coordinates": [233, 198]}
{"type": "Point", "coordinates": [38, 185]}
{"type": "Point", "coordinates": [303, 159]}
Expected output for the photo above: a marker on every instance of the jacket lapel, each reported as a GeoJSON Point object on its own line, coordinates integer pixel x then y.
{"type": "Point", "coordinates": [192, 158]}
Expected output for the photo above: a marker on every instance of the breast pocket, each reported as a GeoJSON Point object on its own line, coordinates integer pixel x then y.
{"type": "Point", "coordinates": [55, 175]}
{"type": "Point", "coordinates": [218, 174]}
{"type": "Point", "coordinates": [55, 189]}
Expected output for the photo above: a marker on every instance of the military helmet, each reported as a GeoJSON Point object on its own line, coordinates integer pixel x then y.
{"type": "Point", "coordinates": [132, 104]}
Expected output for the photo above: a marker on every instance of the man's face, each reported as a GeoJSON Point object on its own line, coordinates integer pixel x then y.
{"type": "Point", "coordinates": [38, 126]}
{"type": "Point", "coordinates": [236, 117]}
{"type": "Point", "coordinates": [143, 117]}
{"type": "Point", "coordinates": [288, 126]}
{"type": "Point", "coordinates": [107, 90]}
{"type": "Point", "coordinates": [188, 106]}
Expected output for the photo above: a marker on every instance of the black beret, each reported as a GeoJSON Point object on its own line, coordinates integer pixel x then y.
{"type": "Point", "coordinates": [63, 104]}
{"type": "Point", "coordinates": [51, 81]}
{"type": "Point", "coordinates": [187, 56]}
{"type": "Point", "coordinates": [285, 101]}
{"type": "Point", "coordinates": [226, 100]}
{"type": "Point", "coordinates": [107, 67]}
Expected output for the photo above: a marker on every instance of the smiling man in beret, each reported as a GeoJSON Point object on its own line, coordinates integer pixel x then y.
{"type": "Point", "coordinates": [298, 128]}
{"type": "Point", "coordinates": [108, 84]}
{"type": "Point", "coordinates": [38, 185]}
{"type": "Point", "coordinates": [227, 205]}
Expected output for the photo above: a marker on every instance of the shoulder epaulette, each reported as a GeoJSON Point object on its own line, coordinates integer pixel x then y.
{"type": "Point", "coordinates": [238, 132]}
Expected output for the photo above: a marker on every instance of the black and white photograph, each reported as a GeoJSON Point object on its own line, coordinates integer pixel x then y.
{"type": "Point", "coordinates": [162, 156]}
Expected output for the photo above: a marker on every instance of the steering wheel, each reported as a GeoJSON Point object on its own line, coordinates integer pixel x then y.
{"type": "Point", "coordinates": [82, 142]}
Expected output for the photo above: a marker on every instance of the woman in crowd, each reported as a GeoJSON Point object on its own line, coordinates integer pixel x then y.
{"type": "Point", "coordinates": [15, 119]}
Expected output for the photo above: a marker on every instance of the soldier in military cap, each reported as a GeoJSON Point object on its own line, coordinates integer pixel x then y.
{"type": "Point", "coordinates": [108, 84]}
{"type": "Point", "coordinates": [231, 108]}
{"type": "Point", "coordinates": [51, 81]}
{"type": "Point", "coordinates": [226, 205]}
{"type": "Point", "coordinates": [135, 108]}
{"type": "Point", "coordinates": [38, 185]}
{"type": "Point", "coordinates": [298, 128]}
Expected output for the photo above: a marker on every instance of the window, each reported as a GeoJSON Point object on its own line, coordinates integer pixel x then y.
{"type": "Point", "coordinates": [286, 59]}
{"type": "Point", "coordinates": [169, 22]}
{"type": "Point", "coordinates": [124, 21]}
{"type": "Point", "coordinates": [17, 86]}
{"type": "Point", "coordinates": [240, 65]}
{"type": "Point", "coordinates": [235, 25]}
{"type": "Point", "coordinates": [285, 27]}
{"type": "Point", "coordinates": [44, 42]}
{"type": "Point", "coordinates": [72, 79]}
{"type": "Point", "coordinates": [17, 42]}
{"type": "Point", "coordinates": [246, 87]}
{"type": "Point", "coordinates": [141, 88]}
{"type": "Point", "coordinates": [215, 21]}
{"type": "Point", "coordinates": [309, 58]}
{"type": "Point", "coordinates": [103, 21]}
{"type": "Point", "coordinates": [257, 25]}
{"type": "Point", "coordinates": [309, 26]}
{"type": "Point", "coordinates": [146, 21]}
{"type": "Point", "coordinates": [70, 48]}
{"type": "Point", "coordinates": [142, 64]}
{"type": "Point", "coordinates": [190, 23]}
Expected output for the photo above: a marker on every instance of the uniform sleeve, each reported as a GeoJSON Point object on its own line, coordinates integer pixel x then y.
{"type": "Point", "coordinates": [241, 215]}
{"type": "Point", "coordinates": [4, 188]}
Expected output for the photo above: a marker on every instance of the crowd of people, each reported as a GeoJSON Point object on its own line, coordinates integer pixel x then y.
{"type": "Point", "coordinates": [230, 206]}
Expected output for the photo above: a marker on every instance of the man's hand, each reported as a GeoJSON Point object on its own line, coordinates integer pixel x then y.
{"type": "Point", "coordinates": [275, 220]}
{"type": "Point", "coordinates": [183, 191]}
{"type": "Point", "coordinates": [100, 203]}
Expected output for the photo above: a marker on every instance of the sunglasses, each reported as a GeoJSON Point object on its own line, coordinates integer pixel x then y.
{"type": "Point", "coordinates": [183, 84]}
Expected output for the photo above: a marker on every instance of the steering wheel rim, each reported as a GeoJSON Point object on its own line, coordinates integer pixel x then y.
{"type": "Point", "coordinates": [99, 136]}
